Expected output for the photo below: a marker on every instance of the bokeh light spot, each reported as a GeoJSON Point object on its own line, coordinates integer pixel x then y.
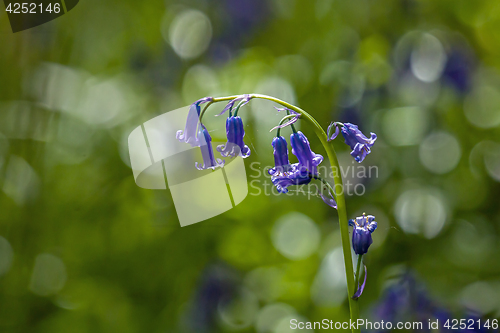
{"type": "Point", "coordinates": [295, 236]}
{"type": "Point", "coordinates": [49, 275]}
{"type": "Point", "coordinates": [270, 316]}
{"type": "Point", "coordinates": [405, 126]}
{"type": "Point", "coordinates": [189, 33]}
{"type": "Point", "coordinates": [6, 256]}
{"type": "Point", "coordinates": [440, 152]}
{"type": "Point", "coordinates": [428, 58]}
{"type": "Point", "coordinates": [241, 311]}
{"type": "Point", "coordinates": [328, 288]}
{"type": "Point", "coordinates": [421, 211]}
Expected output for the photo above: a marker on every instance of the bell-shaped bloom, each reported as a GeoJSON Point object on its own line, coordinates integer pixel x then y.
{"type": "Point", "coordinates": [281, 161]}
{"type": "Point", "coordinates": [362, 233]}
{"type": "Point", "coordinates": [295, 177]}
{"type": "Point", "coordinates": [190, 133]}
{"type": "Point", "coordinates": [308, 161]}
{"type": "Point", "coordinates": [209, 161]}
{"type": "Point", "coordinates": [358, 142]}
{"type": "Point", "coordinates": [235, 144]}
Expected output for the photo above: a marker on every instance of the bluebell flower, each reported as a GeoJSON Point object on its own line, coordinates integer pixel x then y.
{"type": "Point", "coordinates": [209, 161]}
{"type": "Point", "coordinates": [358, 142]}
{"type": "Point", "coordinates": [281, 161]}
{"type": "Point", "coordinates": [235, 134]}
{"type": "Point", "coordinates": [308, 160]}
{"type": "Point", "coordinates": [362, 233]}
{"type": "Point", "coordinates": [295, 177]}
{"type": "Point", "coordinates": [190, 133]}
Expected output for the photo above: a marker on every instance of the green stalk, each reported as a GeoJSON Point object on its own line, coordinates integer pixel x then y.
{"type": "Point", "coordinates": [356, 282]}
{"type": "Point", "coordinates": [338, 190]}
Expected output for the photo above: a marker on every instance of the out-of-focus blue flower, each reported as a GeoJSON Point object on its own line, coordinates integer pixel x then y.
{"type": "Point", "coordinates": [295, 177]}
{"type": "Point", "coordinates": [281, 161]}
{"type": "Point", "coordinates": [205, 142]}
{"type": "Point", "coordinates": [217, 286]}
{"type": "Point", "coordinates": [190, 133]}
{"type": "Point", "coordinates": [308, 160]}
{"type": "Point", "coordinates": [404, 301]}
{"type": "Point", "coordinates": [358, 142]}
{"type": "Point", "coordinates": [235, 134]}
{"type": "Point", "coordinates": [362, 233]}
{"type": "Point", "coordinates": [458, 70]}
{"type": "Point", "coordinates": [407, 300]}
{"type": "Point", "coordinates": [394, 304]}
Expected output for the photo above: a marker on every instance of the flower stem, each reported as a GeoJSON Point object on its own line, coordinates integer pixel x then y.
{"type": "Point", "coordinates": [330, 189]}
{"type": "Point", "coordinates": [338, 190]}
{"type": "Point", "coordinates": [281, 123]}
{"type": "Point", "coordinates": [356, 281]}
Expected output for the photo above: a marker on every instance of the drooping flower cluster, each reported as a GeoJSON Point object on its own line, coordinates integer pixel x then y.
{"type": "Point", "coordinates": [283, 174]}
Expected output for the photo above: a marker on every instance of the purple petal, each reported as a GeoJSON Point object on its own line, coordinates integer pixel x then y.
{"type": "Point", "coordinates": [288, 123]}
{"type": "Point", "coordinates": [337, 131]}
{"type": "Point", "coordinates": [301, 148]}
{"type": "Point", "coordinates": [372, 226]}
{"type": "Point", "coordinates": [358, 293]}
{"type": "Point", "coordinates": [245, 98]}
{"type": "Point", "coordinates": [286, 109]}
{"type": "Point", "coordinates": [190, 132]}
{"type": "Point", "coordinates": [330, 201]}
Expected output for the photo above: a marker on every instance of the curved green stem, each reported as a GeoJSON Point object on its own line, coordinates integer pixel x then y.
{"type": "Point", "coordinates": [285, 118]}
{"type": "Point", "coordinates": [338, 191]}
{"type": "Point", "coordinates": [330, 189]}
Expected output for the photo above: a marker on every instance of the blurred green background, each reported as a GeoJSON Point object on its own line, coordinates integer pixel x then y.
{"type": "Point", "coordinates": [83, 249]}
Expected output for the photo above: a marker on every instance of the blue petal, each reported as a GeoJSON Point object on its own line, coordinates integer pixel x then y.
{"type": "Point", "coordinates": [329, 200]}
{"type": "Point", "coordinates": [334, 134]}
{"type": "Point", "coordinates": [358, 292]}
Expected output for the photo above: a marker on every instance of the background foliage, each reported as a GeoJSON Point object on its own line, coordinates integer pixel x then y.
{"type": "Point", "coordinates": [83, 249]}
